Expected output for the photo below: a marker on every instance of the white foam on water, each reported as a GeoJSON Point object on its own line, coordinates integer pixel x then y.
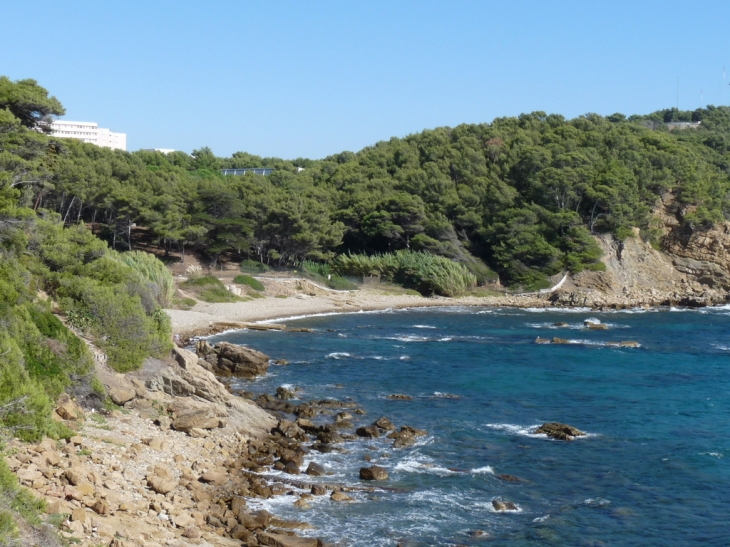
{"type": "Point", "coordinates": [717, 455]}
{"type": "Point", "coordinates": [721, 347]}
{"type": "Point", "coordinates": [593, 320]}
{"type": "Point", "coordinates": [442, 395]}
{"type": "Point", "coordinates": [405, 357]}
{"type": "Point", "coordinates": [487, 469]}
{"type": "Point", "coordinates": [513, 429]}
{"type": "Point", "coordinates": [341, 335]}
{"type": "Point", "coordinates": [424, 327]}
{"type": "Point", "coordinates": [541, 519]}
{"type": "Point", "coordinates": [446, 339]}
{"type": "Point", "coordinates": [409, 338]}
{"type": "Point", "coordinates": [337, 355]}
{"type": "Point", "coordinates": [596, 502]}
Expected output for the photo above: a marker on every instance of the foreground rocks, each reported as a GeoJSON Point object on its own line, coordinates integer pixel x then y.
{"type": "Point", "coordinates": [228, 359]}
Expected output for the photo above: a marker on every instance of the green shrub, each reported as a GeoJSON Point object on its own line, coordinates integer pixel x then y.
{"type": "Point", "coordinates": [426, 273]}
{"type": "Point", "coordinates": [209, 289]}
{"type": "Point", "coordinates": [323, 274]}
{"type": "Point", "coordinates": [158, 278]}
{"type": "Point", "coordinates": [253, 267]}
{"type": "Point", "coordinates": [250, 281]}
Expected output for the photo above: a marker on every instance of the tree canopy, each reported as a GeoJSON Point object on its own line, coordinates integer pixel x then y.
{"type": "Point", "coordinates": [29, 103]}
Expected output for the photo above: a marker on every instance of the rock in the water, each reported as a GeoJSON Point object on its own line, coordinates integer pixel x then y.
{"type": "Point", "coordinates": [560, 324]}
{"type": "Point", "coordinates": [500, 505]}
{"type": "Point", "coordinates": [557, 340]}
{"type": "Point", "coordinates": [315, 470]}
{"type": "Point", "coordinates": [340, 496]}
{"type": "Point", "coordinates": [399, 397]}
{"type": "Point", "coordinates": [561, 432]}
{"type": "Point", "coordinates": [368, 431]}
{"type": "Point", "coordinates": [509, 478]}
{"type": "Point", "coordinates": [539, 340]}
{"type": "Point", "coordinates": [596, 326]}
{"type": "Point", "coordinates": [285, 393]}
{"type": "Point", "coordinates": [373, 473]}
{"type": "Point", "coordinates": [384, 423]}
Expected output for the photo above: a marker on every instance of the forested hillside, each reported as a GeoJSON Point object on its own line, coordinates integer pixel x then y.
{"type": "Point", "coordinates": [519, 196]}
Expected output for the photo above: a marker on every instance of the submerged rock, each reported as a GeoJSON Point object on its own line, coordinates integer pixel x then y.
{"type": "Point", "coordinates": [561, 432]}
{"type": "Point", "coordinates": [399, 397]}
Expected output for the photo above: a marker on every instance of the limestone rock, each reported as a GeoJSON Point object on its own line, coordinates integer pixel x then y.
{"type": "Point", "coordinates": [281, 540]}
{"type": "Point", "coordinates": [233, 360]}
{"type": "Point", "coordinates": [384, 423]}
{"type": "Point", "coordinates": [66, 408]}
{"type": "Point", "coordinates": [160, 485]}
{"type": "Point", "coordinates": [373, 473]}
{"type": "Point", "coordinates": [368, 431]}
{"type": "Point", "coordinates": [500, 505]}
{"type": "Point", "coordinates": [561, 432]}
{"type": "Point", "coordinates": [340, 496]}
{"type": "Point", "coordinates": [121, 395]}
{"type": "Point", "coordinates": [315, 470]}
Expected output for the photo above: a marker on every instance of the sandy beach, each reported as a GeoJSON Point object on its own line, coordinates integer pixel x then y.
{"type": "Point", "coordinates": [203, 317]}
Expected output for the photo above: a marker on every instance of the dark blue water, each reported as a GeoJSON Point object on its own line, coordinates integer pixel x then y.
{"type": "Point", "coordinates": [653, 470]}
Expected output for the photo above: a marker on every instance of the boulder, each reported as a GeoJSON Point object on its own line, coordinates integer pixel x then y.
{"type": "Point", "coordinates": [285, 393]}
{"type": "Point", "coordinates": [290, 430]}
{"type": "Point", "coordinates": [557, 340]}
{"type": "Point", "coordinates": [188, 414]}
{"type": "Point", "coordinates": [373, 473]}
{"type": "Point", "coordinates": [368, 431]}
{"type": "Point", "coordinates": [399, 397]}
{"type": "Point", "coordinates": [160, 485]}
{"type": "Point", "coordinates": [75, 475]}
{"type": "Point", "coordinates": [384, 423]}
{"type": "Point", "coordinates": [281, 540]}
{"type": "Point", "coordinates": [214, 477]}
{"type": "Point", "coordinates": [315, 470]}
{"type": "Point", "coordinates": [121, 395]}
{"type": "Point", "coordinates": [340, 496]}
{"type": "Point", "coordinates": [500, 505]}
{"type": "Point", "coordinates": [66, 408]}
{"type": "Point", "coordinates": [539, 340]}
{"type": "Point", "coordinates": [561, 432]}
{"type": "Point", "coordinates": [234, 360]}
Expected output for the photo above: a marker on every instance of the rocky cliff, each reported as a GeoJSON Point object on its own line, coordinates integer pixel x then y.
{"type": "Point", "coordinates": [692, 267]}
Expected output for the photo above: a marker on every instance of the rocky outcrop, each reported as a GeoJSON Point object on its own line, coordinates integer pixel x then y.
{"type": "Point", "coordinates": [561, 432]}
{"type": "Point", "coordinates": [233, 360]}
{"type": "Point", "coordinates": [203, 402]}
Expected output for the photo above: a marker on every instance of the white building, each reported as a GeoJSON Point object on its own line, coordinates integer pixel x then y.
{"type": "Point", "coordinates": [89, 132]}
{"type": "Point", "coordinates": [165, 151]}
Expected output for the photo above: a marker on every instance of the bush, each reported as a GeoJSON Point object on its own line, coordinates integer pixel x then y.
{"type": "Point", "coordinates": [426, 273]}
{"type": "Point", "coordinates": [158, 278]}
{"type": "Point", "coordinates": [253, 267]}
{"type": "Point", "coordinates": [209, 289]}
{"type": "Point", "coordinates": [249, 281]}
{"type": "Point", "coordinates": [321, 273]}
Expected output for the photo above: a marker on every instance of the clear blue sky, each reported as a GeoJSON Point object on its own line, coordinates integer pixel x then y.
{"type": "Point", "coordinates": [309, 79]}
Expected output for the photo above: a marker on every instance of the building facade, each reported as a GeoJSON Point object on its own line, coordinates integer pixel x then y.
{"type": "Point", "coordinates": [89, 132]}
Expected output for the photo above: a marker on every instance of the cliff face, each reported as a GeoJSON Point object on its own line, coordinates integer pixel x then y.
{"type": "Point", "coordinates": [693, 268]}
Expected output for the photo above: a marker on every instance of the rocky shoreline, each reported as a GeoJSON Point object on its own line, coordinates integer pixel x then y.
{"type": "Point", "coordinates": [181, 458]}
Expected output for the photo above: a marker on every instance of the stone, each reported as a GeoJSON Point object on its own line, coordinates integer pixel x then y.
{"type": "Point", "coordinates": [285, 393]}
{"type": "Point", "coordinates": [191, 533]}
{"type": "Point", "coordinates": [159, 485]}
{"type": "Point", "coordinates": [340, 496]}
{"type": "Point", "coordinates": [318, 490]}
{"type": "Point", "coordinates": [75, 475]}
{"type": "Point", "coordinates": [561, 432]}
{"type": "Point", "coordinates": [384, 423]}
{"type": "Point", "coordinates": [214, 477]}
{"type": "Point", "coordinates": [233, 360]}
{"type": "Point", "coordinates": [557, 340]}
{"type": "Point", "coordinates": [85, 489]}
{"type": "Point", "coordinates": [66, 408]}
{"type": "Point", "coordinates": [164, 472]}
{"type": "Point", "coordinates": [399, 397]}
{"type": "Point", "coordinates": [291, 468]}
{"type": "Point", "coordinates": [280, 540]}
{"type": "Point", "coordinates": [315, 470]}
{"type": "Point", "coordinates": [182, 520]}
{"type": "Point", "coordinates": [509, 478]}
{"type": "Point", "coordinates": [539, 340]}
{"type": "Point", "coordinates": [500, 505]}
{"type": "Point", "coordinates": [121, 395]}
{"type": "Point", "coordinates": [290, 430]}
{"type": "Point", "coordinates": [189, 414]}
{"type": "Point", "coordinates": [373, 473]}
{"type": "Point", "coordinates": [368, 431]}
{"type": "Point", "coordinates": [79, 515]}
{"type": "Point", "coordinates": [101, 507]}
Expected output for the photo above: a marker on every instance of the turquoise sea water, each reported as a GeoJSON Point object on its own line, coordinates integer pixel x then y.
{"type": "Point", "coordinates": [653, 471]}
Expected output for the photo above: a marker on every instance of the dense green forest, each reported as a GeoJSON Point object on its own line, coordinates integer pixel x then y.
{"type": "Point", "coordinates": [518, 196]}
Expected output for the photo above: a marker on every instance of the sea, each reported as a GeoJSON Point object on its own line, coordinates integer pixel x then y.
{"type": "Point", "coordinates": [652, 470]}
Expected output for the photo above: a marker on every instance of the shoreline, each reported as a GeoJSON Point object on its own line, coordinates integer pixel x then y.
{"type": "Point", "coordinates": [209, 319]}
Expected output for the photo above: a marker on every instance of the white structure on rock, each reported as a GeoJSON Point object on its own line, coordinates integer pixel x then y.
{"type": "Point", "coordinates": [89, 132]}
